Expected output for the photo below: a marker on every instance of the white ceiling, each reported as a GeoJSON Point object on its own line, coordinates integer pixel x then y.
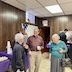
{"type": "Point", "coordinates": [37, 7]}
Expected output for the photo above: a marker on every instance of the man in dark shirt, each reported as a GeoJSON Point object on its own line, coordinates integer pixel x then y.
{"type": "Point", "coordinates": [35, 43]}
{"type": "Point", "coordinates": [63, 35]}
{"type": "Point", "coordinates": [18, 59]}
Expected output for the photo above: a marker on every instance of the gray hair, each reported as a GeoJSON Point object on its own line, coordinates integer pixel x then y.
{"type": "Point", "coordinates": [55, 36]}
{"type": "Point", "coordinates": [37, 29]}
{"type": "Point", "coordinates": [18, 36]}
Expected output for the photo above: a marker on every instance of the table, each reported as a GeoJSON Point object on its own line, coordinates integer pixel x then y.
{"type": "Point", "coordinates": [4, 53]}
{"type": "Point", "coordinates": [4, 65]}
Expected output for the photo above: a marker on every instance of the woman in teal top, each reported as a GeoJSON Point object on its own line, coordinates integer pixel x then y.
{"type": "Point", "coordinates": [57, 51]}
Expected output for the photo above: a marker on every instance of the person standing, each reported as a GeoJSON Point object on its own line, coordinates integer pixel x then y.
{"type": "Point", "coordinates": [70, 48]}
{"type": "Point", "coordinates": [35, 43]}
{"type": "Point", "coordinates": [57, 51]}
{"type": "Point", "coordinates": [25, 36]}
{"type": "Point", "coordinates": [18, 58]}
{"type": "Point", "coordinates": [63, 35]}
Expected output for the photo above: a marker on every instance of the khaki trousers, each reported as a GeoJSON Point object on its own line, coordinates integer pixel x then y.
{"type": "Point", "coordinates": [35, 60]}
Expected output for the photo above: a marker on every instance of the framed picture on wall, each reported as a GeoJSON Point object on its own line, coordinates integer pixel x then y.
{"type": "Point", "coordinates": [45, 22]}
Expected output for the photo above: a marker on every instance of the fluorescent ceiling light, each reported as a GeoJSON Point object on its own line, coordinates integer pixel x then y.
{"type": "Point", "coordinates": [54, 9]}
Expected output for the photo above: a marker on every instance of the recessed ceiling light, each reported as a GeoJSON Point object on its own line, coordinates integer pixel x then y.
{"type": "Point", "coordinates": [54, 9]}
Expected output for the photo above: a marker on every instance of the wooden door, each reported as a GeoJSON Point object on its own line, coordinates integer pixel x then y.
{"type": "Point", "coordinates": [45, 34]}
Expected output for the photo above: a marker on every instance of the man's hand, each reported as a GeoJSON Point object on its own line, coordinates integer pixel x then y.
{"type": "Point", "coordinates": [30, 53]}
{"type": "Point", "coordinates": [26, 46]}
{"type": "Point", "coordinates": [38, 48]}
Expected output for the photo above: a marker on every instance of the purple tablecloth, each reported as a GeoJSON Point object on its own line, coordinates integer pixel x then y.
{"type": "Point", "coordinates": [3, 53]}
{"type": "Point", "coordinates": [4, 66]}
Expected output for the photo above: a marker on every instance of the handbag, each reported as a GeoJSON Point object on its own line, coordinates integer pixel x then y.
{"type": "Point", "coordinates": [66, 62]}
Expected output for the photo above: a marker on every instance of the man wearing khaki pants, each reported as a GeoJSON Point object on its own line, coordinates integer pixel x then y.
{"type": "Point", "coordinates": [35, 43]}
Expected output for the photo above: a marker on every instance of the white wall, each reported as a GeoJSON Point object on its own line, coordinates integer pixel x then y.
{"type": "Point", "coordinates": [30, 30]}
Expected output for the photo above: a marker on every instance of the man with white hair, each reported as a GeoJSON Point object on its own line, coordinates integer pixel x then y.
{"type": "Point", "coordinates": [18, 59]}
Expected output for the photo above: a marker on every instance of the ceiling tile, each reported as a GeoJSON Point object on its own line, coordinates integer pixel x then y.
{"type": "Point", "coordinates": [40, 16]}
{"type": "Point", "coordinates": [42, 10]}
{"type": "Point", "coordinates": [66, 6]}
{"type": "Point", "coordinates": [58, 14]}
{"type": "Point", "coordinates": [16, 4]}
{"type": "Point", "coordinates": [35, 6]}
{"type": "Point", "coordinates": [30, 3]}
{"type": "Point", "coordinates": [48, 15]}
{"type": "Point", "coordinates": [64, 1]}
{"type": "Point", "coordinates": [47, 2]}
{"type": "Point", "coordinates": [3, 0]}
{"type": "Point", "coordinates": [68, 12]}
{"type": "Point", "coordinates": [33, 12]}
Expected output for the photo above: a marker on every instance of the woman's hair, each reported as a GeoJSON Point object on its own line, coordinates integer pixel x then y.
{"type": "Point", "coordinates": [18, 36]}
{"type": "Point", "coordinates": [55, 36]}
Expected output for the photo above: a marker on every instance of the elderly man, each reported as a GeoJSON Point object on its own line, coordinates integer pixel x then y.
{"type": "Point", "coordinates": [18, 59]}
{"type": "Point", "coordinates": [35, 43]}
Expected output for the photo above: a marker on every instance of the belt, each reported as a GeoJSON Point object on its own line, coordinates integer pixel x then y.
{"type": "Point", "coordinates": [34, 50]}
